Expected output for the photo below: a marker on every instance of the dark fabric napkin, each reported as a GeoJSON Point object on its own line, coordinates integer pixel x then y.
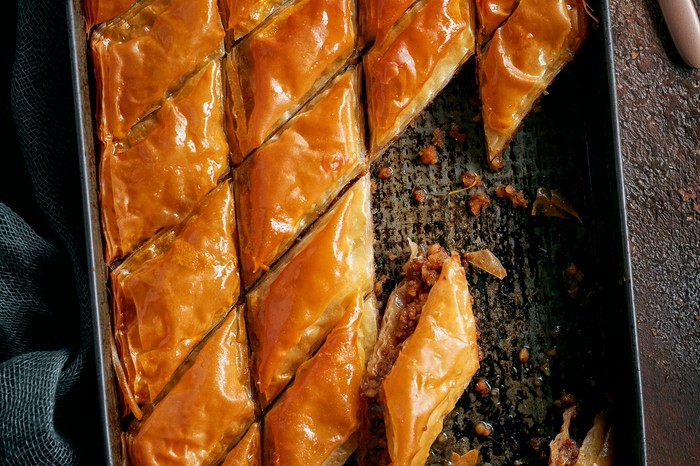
{"type": "Point", "coordinates": [48, 401]}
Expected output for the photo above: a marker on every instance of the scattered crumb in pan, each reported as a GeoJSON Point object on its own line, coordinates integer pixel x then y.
{"type": "Point", "coordinates": [470, 179]}
{"type": "Point", "coordinates": [470, 458]}
{"type": "Point", "coordinates": [419, 195]}
{"type": "Point", "coordinates": [487, 261]}
{"type": "Point", "coordinates": [524, 354]}
{"type": "Point", "coordinates": [438, 138]}
{"type": "Point", "coordinates": [384, 173]}
{"type": "Point", "coordinates": [482, 386]}
{"type": "Point", "coordinates": [428, 155]}
{"type": "Point", "coordinates": [372, 185]}
{"type": "Point", "coordinates": [552, 203]}
{"type": "Point", "coordinates": [456, 134]}
{"type": "Point", "coordinates": [517, 198]}
{"type": "Point", "coordinates": [483, 429]}
{"type": "Point", "coordinates": [478, 201]}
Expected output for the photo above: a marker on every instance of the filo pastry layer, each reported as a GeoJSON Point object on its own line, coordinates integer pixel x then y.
{"type": "Point", "coordinates": [168, 162]}
{"type": "Point", "coordinates": [170, 293]}
{"type": "Point", "coordinates": [413, 63]}
{"type": "Point", "coordinates": [273, 71]}
{"type": "Point", "coordinates": [208, 409]}
{"type": "Point", "coordinates": [521, 61]}
{"type": "Point", "coordinates": [247, 451]}
{"type": "Point", "coordinates": [316, 420]}
{"type": "Point", "coordinates": [294, 307]}
{"type": "Point", "coordinates": [287, 183]}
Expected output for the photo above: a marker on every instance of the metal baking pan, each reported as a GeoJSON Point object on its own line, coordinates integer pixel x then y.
{"type": "Point", "coordinates": [581, 335]}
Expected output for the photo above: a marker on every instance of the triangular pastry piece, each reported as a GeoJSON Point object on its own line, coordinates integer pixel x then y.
{"type": "Point", "coordinates": [207, 410]}
{"type": "Point", "coordinates": [424, 358]}
{"type": "Point", "coordinates": [521, 61]}
{"type": "Point", "coordinates": [168, 162]}
{"type": "Point", "coordinates": [279, 67]}
{"type": "Point", "coordinates": [171, 292]}
{"type": "Point", "coordinates": [412, 63]}
{"type": "Point", "coordinates": [143, 55]}
{"type": "Point", "coordinates": [284, 185]}
{"type": "Point", "coordinates": [316, 420]}
{"type": "Point", "coordinates": [294, 307]}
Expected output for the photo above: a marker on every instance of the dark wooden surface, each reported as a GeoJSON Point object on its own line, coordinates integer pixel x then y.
{"type": "Point", "coordinates": [659, 111]}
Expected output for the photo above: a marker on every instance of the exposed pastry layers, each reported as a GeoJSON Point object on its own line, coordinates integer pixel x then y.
{"type": "Point", "coordinates": [209, 409]}
{"type": "Point", "coordinates": [289, 181]}
{"type": "Point", "coordinates": [424, 358]}
{"type": "Point", "coordinates": [171, 292]}
{"type": "Point", "coordinates": [276, 69]}
{"type": "Point", "coordinates": [294, 307]}
{"type": "Point", "coordinates": [167, 163]}
{"type": "Point", "coordinates": [520, 62]}
{"type": "Point", "coordinates": [99, 11]}
{"type": "Point", "coordinates": [316, 420]}
{"type": "Point", "coordinates": [412, 63]}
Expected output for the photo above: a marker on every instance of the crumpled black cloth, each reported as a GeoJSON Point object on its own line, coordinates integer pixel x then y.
{"type": "Point", "coordinates": [48, 390]}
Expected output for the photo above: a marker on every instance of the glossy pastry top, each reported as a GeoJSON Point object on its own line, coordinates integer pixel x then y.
{"type": "Point", "coordinates": [99, 11]}
{"type": "Point", "coordinates": [295, 306]}
{"type": "Point", "coordinates": [432, 369]}
{"type": "Point", "coordinates": [379, 15]}
{"type": "Point", "coordinates": [167, 164]}
{"type": "Point", "coordinates": [146, 53]}
{"type": "Point", "coordinates": [208, 409]}
{"type": "Point", "coordinates": [521, 60]}
{"type": "Point", "coordinates": [275, 69]}
{"type": "Point", "coordinates": [413, 63]}
{"type": "Point", "coordinates": [491, 13]}
{"type": "Point", "coordinates": [317, 417]}
{"type": "Point", "coordinates": [242, 16]}
{"type": "Point", "coordinates": [247, 451]}
{"type": "Point", "coordinates": [171, 292]}
{"type": "Point", "coordinates": [283, 186]}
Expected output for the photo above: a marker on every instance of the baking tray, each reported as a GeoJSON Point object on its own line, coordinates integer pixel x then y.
{"type": "Point", "coordinates": [581, 335]}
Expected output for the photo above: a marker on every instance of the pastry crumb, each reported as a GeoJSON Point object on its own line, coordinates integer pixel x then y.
{"type": "Point", "coordinates": [478, 201]}
{"type": "Point", "coordinates": [517, 198]}
{"type": "Point", "coordinates": [428, 155]}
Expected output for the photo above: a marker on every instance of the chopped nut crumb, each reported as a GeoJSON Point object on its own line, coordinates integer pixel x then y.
{"type": "Point", "coordinates": [428, 155]}
{"type": "Point", "coordinates": [385, 173]}
{"type": "Point", "coordinates": [634, 54]}
{"type": "Point", "coordinates": [372, 186]}
{"type": "Point", "coordinates": [517, 198]}
{"type": "Point", "coordinates": [524, 354]}
{"type": "Point", "coordinates": [438, 138]}
{"type": "Point", "coordinates": [483, 429]}
{"type": "Point", "coordinates": [482, 387]}
{"type": "Point", "coordinates": [456, 134]}
{"type": "Point", "coordinates": [470, 179]}
{"type": "Point", "coordinates": [419, 195]}
{"type": "Point", "coordinates": [477, 201]}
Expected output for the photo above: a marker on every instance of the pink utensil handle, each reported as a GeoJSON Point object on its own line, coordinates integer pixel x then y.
{"type": "Point", "coordinates": [683, 23]}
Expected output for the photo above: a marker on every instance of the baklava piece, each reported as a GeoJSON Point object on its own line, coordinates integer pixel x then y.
{"type": "Point", "coordinates": [170, 293]}
{"type": "Point", "coordinates": [287, 183]}
{"type": "Point", "coordinates": [425, 356]}
{"type": "Point", "coordinates": [521, 61]}
{"type": "Point", "coordinates": [169, 162]}
{"type": "Point", "coordinates": [208, 409]}
{"type": "Point", "coordinates": [294, 307]}
{"type": "Point", "coordinates": [412, 63]}
{"type": "Point", "coordinates": [273, 71]}
{"type": "Point", "coordinates": [316, 420]}
{"type": "Point", "coordinates": [148, 52]}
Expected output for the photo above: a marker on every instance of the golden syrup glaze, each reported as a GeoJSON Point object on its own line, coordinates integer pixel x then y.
{"type": "Point", "coordinates": [284, 185]}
